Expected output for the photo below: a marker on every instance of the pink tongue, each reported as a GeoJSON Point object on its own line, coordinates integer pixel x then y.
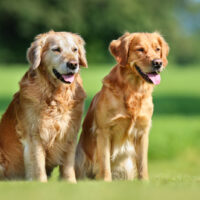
{"type": "Point", "coordinates": [155, 78]}
{"type": "Point", "coordinates": [68, 78]}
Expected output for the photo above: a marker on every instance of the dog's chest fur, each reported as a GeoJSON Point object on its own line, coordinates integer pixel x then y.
{"type": "Point", "coordinates": [53, 117]}
{"type": "Point", "coordinates": [129, 121]}
{"type": "Point", "coordinates": [54, 122]}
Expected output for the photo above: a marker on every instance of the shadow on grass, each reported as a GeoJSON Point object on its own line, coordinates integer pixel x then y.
{"type": "Point", "coordinates": [165, 105]}
{"type": "Point", "coordinates": [171, 105]}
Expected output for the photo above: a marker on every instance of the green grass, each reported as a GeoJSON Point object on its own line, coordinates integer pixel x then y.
{"type": "Point", "coordinates": [174, 152]}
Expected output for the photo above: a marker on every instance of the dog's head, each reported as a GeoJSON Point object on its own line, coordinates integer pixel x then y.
{"type": "Point", "coordinates": [145, 53]}
{"type": "Point", "coordinates": [59, 54]}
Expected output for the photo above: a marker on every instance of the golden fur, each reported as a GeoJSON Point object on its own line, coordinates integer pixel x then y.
{"type": "Point", "coordinates": [39, 129]}
{"type": "Point", "coordinates": [114, 139]}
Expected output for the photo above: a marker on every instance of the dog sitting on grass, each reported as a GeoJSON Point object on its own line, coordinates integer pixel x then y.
{"type": "Point", "coordinates": [114, 138]}
{"type": "Point", "coordinates": [39, 129]}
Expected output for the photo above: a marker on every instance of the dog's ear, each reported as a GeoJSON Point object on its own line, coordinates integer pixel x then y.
{"type": "Point", "coordinates": [120, 48]}
{"type": "Point", "coordinates": [164, 48]}
{"type": "Point", "coordinates": [81, 50]}
{"type": "Point", "coordinates": [34, 52]}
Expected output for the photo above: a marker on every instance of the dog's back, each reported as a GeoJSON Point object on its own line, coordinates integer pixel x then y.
{"type": "Point", "coordinates": [11, 151]}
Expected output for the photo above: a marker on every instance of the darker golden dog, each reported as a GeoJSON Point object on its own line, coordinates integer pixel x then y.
{"type": "Point", "coordinates": [114, 139]}
{"type": "Point", "coordinates": [39, 129]}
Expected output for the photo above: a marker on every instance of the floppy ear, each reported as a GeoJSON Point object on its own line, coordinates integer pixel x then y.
{"type": "Point", "coordinates": [81, 50]}
{"type": "Point", "coordinates": [119, 48]}
{"type": "Point", "coordinates": [34, 52]}
{"type": "Point", "coordinates": [164, 49]}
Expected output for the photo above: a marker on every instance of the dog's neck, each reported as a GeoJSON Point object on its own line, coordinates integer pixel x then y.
{"type": "Point", "coordinates": [134, 81]}
{"type": "Point", "coordinates": [134, 89]}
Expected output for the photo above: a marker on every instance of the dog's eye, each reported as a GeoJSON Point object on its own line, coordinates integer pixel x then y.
{"type": "Point", "coordinates": [158, 49]}
{"type": "Point", "coordinates": [56, 49]}
{"type": "Point", "coordinates": [140, 49]}
{"type": "Point", "coordinates": [74, 49]}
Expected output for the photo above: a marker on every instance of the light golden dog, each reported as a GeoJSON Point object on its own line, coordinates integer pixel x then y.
{"type": "Point", "coordinates": [39, 129]}
{"type": "Point", "coordinates": [114, 139]}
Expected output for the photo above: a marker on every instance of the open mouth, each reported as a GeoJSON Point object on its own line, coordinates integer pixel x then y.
{"type": "Point", "coordinates": [152, 77]}
{"type": "Point", "coordinates": [65, 78]}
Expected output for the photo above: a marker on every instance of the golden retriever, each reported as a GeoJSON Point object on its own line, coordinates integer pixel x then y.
{"type": "Point", "coordinates": [114, 139]}
{"type": "Point", "coordinates": [39, 129]}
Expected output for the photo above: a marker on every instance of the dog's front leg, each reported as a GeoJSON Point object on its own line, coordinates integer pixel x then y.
{"type": "Point", "coordinates": [34, 159]}
{"type": "Point", "coordinates": [67, 171]}
{"type": "Point", "coordinates": [103, 155]}
{"type": "Point", "coordinates": [142, 156]}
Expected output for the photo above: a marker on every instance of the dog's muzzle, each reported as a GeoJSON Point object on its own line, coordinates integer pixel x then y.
{"type": "Point", "coordinates": [152, 77]}
{"type": "Point", "coordinates": [65, 78]}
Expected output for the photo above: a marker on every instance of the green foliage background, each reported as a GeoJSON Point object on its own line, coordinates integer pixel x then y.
{"type": "Point", "coordinates": [100, 21]}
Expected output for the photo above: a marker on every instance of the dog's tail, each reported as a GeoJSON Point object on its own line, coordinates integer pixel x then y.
{"type": "Point", "coordinates": [79, 162]}
{"type": "Point", "coordinates": [84, 167]}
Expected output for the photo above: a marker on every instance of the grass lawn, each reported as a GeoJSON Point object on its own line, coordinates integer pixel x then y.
{"type": "Point", "coordinates": [174, 153]}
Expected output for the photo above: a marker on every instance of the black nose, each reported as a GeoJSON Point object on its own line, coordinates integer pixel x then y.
{"type": "Point", "coordinates": [157, 63]}
{"type": "Point", "coordinates": [72, 65]}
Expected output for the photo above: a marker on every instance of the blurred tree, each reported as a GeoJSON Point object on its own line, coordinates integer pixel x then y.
{"type": "Point", "coordinates": [98, 21]}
